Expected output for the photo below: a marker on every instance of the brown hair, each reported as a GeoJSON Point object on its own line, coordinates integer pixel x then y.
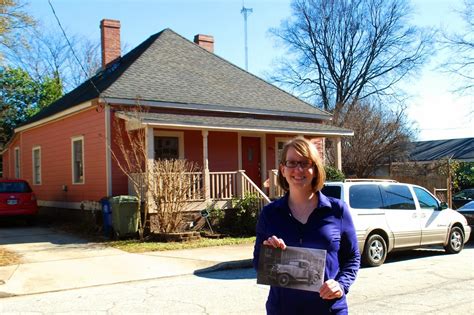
{"type": "Point", "coordinates": [308, 150]}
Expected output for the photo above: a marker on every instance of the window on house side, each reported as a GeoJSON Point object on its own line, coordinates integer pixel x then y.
{"type": "Point", "coordinates": [78, 161]}
{"type": "Point", "coordinates": [37, 166]}
{"type": "Point", "coordinates": [17, 162]}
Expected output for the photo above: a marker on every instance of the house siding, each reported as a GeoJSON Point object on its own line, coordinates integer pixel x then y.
{"type": "Point", "coordinates": [223, 151]}
{"type": "Point", "coordinates": [193, 146]}
{"type": "Point", "coordinates": [54, 138]}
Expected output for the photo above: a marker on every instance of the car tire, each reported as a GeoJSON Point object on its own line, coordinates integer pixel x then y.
{"type": "Point", "coordinates": [283, 279]}
{"type": "Point", "coordinates": [375, 251]}
{"type": "Point", "coordinates": [455, 241]}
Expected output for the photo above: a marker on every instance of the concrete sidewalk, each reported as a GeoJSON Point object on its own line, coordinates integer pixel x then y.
{"type": "Point", "coordinates": [52, 261]}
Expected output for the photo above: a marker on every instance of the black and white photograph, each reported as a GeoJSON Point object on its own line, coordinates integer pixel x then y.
{"type": "Point", "coordinates": [295, 267]}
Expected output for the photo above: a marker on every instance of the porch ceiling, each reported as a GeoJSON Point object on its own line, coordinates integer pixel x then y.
{"type": "Point", "coordinates": [235, 124]}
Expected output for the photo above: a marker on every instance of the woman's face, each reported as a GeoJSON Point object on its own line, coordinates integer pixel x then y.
{"type": "Point", "coordinates": [297, 170]}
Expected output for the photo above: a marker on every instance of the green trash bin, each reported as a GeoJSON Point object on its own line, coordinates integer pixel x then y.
{"type": "Point", "coordinates": [124, 215]}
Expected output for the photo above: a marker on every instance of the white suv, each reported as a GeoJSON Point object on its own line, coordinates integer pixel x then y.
{"type": "Point", "coordinates": [389, 216]}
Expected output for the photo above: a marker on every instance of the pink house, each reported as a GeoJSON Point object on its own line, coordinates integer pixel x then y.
{"type": "Point", "coordinates": [200, 107]}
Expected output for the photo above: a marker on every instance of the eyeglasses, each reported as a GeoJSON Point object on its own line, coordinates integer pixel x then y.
{"type": "Point", "coordinates": [302, 164]}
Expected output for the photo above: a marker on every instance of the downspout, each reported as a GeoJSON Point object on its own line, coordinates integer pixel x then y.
{"type": "Point", "coordinates": [108, 147]}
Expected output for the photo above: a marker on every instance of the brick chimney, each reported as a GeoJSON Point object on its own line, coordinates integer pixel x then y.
{"type": "Point", "coordinates": [110, 41]}
{"type": "Point", "coordinates": [205, 41]}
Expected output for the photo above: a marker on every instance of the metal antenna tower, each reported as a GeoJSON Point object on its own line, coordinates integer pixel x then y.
{"type": "Point", "coordinates": [246, 12]}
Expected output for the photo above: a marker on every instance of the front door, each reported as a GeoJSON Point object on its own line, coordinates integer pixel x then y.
{"type": "Point", "coordinates": [251, 158]}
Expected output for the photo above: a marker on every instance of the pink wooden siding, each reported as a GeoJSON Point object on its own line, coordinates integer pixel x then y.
{"type": "Point", "coordinates": [193, 146]}
{"type": "Point", "coordinates": [54, 139]}
{"type": "Point", "coordinates": [223, 151]}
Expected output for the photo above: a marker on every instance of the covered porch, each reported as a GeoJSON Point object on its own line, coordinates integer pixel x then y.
{"type": "Point", "coordinates": [237, 155]}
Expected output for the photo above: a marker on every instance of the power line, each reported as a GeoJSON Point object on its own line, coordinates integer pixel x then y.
{"type": "Point", "coordinates": [72, 50]}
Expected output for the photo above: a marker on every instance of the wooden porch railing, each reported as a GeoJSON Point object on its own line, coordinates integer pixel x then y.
{"type": "Point", "coordinates": [222, 186]}
{"type": "Point", "coordinates": [275, 190]}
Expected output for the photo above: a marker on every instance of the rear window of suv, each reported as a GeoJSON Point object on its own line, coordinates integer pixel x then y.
{"type": "Point", "coordinates": [14, 187]}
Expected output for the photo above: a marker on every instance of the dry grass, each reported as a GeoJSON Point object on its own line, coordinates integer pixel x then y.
{"type": "Point", "coordinates": [135, 246]}
{"type": "Point", "coordinates": [8, 258]}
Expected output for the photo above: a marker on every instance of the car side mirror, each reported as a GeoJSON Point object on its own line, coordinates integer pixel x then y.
{"type": "Point", "coordinates": [443, 206]}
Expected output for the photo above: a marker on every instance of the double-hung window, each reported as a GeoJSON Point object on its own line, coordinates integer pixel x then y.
{"type": "Point", "coordinates": [78, 160]}
{"type": "Point", "coordinates": [17, 162]}
{"type": "Point", "coordinates": [36, 165]}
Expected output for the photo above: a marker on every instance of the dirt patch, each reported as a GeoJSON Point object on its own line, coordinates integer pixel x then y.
{"type": "Point", "coordinates": [8, 258]}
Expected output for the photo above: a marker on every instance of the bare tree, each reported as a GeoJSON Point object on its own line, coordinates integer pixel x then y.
{"type": "Point", "coordinates": [175, 182]}
{"type": "Point", "coordinates": [345, 51]}
{"type": "Point", "coordinates": [461, 46]}
{"type": "Point", "coordinates": [128, 149]}
{"type": "Point", "coordinates": [13, 21]}
{"type": "Point", "coordinates": [162, 185]}
{"type": "Point", "coordinates": [379, 136]}
{"type": "Point", "coordinates": [48, 54]}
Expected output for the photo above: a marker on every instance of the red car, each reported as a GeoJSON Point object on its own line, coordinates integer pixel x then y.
{"type": "Point", "coordinates": [17, 199]}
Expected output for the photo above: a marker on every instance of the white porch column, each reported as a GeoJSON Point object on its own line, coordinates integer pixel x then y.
{"type": "Point", "coordinates": [338, 154]}
{"type": "Point", "coordinates": [205, 164]}
{"type": "Point", "coordinates": [150, 159]}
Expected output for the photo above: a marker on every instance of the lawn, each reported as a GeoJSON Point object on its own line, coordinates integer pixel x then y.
{"type": "Point", "coordinates": [8, 258]}
{"type": "Point", "coordinates": [135, 246]}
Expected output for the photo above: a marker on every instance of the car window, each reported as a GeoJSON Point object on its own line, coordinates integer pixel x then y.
{"type": "Point", "coordinates": [332, 191]}
{"type": "Point", "coordinates": [465, 194]}
{"type": "Point", "coordinates": [365, 197]}
{"type": "Point", "coordinates": [425, 200]}
{"type": "Point", "coordinates": [397, 197]}
{"type": "Point", "coordinates": [14, 187]}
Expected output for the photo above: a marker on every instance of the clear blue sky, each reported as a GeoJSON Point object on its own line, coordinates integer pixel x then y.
{"type": "Point", "coordinates": [438, 113]}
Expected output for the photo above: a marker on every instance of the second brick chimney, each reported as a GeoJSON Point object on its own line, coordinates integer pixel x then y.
{"type": "Point", "coordinates": [205, 41]}
{"type": "Point", "coordinates": [110, 41]}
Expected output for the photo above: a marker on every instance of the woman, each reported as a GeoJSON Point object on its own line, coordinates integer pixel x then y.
{"type": "Point", "coordinates": [304, 217]}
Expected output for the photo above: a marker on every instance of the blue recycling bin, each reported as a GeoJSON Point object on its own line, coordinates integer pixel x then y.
{"type": "Point", "coordinates": [106, 216]}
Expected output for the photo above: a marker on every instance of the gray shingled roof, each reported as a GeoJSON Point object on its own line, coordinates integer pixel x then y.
{"type": "Point", "coordinates": [169, 69]}
{"type": "Point", "coordinates": [173, 69]}
{"type": "Point", "coordinates": [234, 123]}
{"type": "Point", "coordinates": [457, 149]}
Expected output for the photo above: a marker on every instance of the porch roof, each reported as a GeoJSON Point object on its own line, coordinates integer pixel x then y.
{"type": "Point", "coordinates": [246, 124]}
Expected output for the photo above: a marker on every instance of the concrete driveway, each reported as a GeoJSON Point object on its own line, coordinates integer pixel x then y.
{"type": "Point", "coordinates": [53, 261]}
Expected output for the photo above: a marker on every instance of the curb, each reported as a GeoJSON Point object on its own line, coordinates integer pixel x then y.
{"type": "Point", "coordinates": [227, 265]}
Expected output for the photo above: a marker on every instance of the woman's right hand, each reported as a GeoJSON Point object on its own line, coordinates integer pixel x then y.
{"type": "Point", "coordinates": [275, 242]}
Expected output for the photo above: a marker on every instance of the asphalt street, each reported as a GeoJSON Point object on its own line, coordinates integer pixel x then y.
{"type": "Point", "coordinates": [416, 282]}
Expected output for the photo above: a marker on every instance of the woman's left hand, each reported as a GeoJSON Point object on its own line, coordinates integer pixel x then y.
{"type": "Point", "coordinates": [330, 289]}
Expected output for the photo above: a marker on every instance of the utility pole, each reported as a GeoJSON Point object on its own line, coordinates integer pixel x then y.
{"type": "Point", "coordinates": [246, 12]}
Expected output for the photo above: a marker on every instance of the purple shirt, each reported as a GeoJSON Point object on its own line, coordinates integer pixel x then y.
{"type": "Point", "coordinates": [329, 227]}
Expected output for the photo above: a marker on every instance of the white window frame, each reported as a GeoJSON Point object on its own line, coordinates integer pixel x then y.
{"type": "Point", "coordinates": [277, 155]}
{"type": "Point", "coordinates": [36, 180]}
{"type": "Point", "coordinates": [81, 182]}
{"type": "Point", "coordinates": [17, 162]}
{"type": "Point", "coordinates": [177, 134]}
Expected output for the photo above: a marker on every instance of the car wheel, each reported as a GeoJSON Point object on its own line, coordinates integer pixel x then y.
{"type": "Point", "coordinates": [375, 251]}
{"type": "Point", "coordinates": [455, 241]}
{"type": "Point", "coordinates": [283, 279]}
